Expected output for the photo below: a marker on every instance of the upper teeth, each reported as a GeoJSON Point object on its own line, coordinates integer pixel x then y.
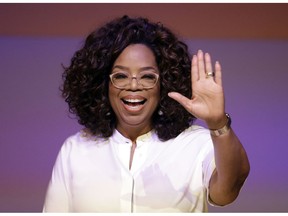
{"type": "Point", "coordinates": [133, 100]}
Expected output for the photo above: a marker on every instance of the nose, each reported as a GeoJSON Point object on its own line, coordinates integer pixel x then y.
{"type": "Point", "coordinates": [134, 85]}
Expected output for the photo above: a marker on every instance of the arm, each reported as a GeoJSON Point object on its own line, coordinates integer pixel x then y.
{"type": "Point", "coordinates": [232, 168]}
{"type": "Point", "coordinates": [207, 103]}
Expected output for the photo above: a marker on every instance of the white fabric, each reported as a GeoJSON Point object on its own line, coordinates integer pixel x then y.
{"type": "Point", "coordinates": [92, 174]}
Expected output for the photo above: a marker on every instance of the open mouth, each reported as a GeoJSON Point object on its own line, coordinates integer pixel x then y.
{"type": "Point", "coordinates": [134, 102]}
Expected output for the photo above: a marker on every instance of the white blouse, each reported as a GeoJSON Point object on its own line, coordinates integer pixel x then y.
{"type": "Point", "coordinates": [92, 174]}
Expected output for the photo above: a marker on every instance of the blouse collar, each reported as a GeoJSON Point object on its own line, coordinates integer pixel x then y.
{"type": "Point", "coordinates": [117, 137]}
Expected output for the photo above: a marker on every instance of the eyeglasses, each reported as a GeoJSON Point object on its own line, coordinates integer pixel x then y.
{"type": "Point", "coordinates": [121, 79]}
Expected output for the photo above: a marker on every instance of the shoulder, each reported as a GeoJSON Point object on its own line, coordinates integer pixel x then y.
{"type": "Point", "coordinates": [82, 140]}
{"type": "Point", "coordinates": [195, 132]}
{"type": "Point", "coordinates": [195, 138]}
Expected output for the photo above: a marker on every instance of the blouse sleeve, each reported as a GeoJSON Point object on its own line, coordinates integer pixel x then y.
{"type": "Point", "coordinates": [209, 167]}
{"type": "Point", "coordinates": [58, 192]}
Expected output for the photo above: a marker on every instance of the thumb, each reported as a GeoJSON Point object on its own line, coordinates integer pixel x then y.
{"type": "Point", "coordinates": [184, 101]}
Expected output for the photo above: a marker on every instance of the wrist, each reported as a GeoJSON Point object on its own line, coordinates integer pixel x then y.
{"type": "Point", "coordinates": [217, 121]}
{"type": "Point", "coordinates": [217, 131]}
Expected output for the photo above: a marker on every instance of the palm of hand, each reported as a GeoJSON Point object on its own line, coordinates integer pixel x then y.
{"type": "Point", "coordinates": [207, 102]}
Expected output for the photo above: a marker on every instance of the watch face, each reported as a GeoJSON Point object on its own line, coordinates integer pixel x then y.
{"type": "Point", "coordinates": [229, 120]}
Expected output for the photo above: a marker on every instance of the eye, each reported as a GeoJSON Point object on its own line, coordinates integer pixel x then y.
{"type": "Point", "coordinates": [120, 76]}
{"type": "Point", "coordinates": [149, 76]}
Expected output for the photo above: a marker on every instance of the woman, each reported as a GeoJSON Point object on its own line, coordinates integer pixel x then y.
{"type": "Point", "coordinates": [130, 87]}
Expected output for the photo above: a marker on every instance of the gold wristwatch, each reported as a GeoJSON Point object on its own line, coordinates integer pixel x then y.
{"type": "Point", "coordinates": [224, 129]}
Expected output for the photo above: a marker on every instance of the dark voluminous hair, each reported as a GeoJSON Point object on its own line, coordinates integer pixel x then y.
{"type": "Point", "coordinates": [86, 80]}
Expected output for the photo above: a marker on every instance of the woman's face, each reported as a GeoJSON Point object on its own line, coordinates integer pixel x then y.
{"type": "Point", "coordinates": [134, 106]}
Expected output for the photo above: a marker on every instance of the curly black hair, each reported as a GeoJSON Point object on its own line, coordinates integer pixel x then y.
{"type": "Point", "coordinates": [86, 80]}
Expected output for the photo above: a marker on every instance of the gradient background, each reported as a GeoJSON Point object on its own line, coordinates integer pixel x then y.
{"type": "Point", "coordinates": [250, 40]}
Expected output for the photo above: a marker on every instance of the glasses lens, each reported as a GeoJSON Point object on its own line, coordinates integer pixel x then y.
{"type": "Point", "coordinates": [148, 80]}
{"type": "Point", "coordinates": [120, 79]}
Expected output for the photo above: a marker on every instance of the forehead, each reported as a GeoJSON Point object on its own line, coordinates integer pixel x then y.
{"type": "Point", "coordinates": [136, 53]}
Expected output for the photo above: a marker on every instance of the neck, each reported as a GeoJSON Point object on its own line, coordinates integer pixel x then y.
{"type": "Point", "coordinates": [133, 132]}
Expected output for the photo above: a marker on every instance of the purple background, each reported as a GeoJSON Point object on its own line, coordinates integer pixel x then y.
{"type": "Point", "coordinates": [34, 120]}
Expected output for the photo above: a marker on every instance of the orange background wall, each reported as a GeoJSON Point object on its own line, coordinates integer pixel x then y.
{"type": "Point", "coordinates": [191, 20]}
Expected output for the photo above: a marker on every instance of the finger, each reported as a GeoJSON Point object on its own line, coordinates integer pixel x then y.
{"type": "Point", "coordinates": [208, 64]}
{"type": "Point", "coordinates": [218, 73]}
{"type": "Point", "coordinates": [184, 101]}
{"type": "Point", "coordinates": [201, 65]}
{"type": "Point", "coordinates": [194, 69]}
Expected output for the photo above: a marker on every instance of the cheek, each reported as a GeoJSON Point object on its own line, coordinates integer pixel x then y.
{"type": "Point", "coordinates": [157, 91]}
{"type": "Point", "coordinates": [156, 96]}
{"type": "Point", "coordinates": [113, 95]}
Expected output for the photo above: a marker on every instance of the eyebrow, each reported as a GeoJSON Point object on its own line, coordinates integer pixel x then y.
{"type": "Point", "coordinates": [141, 69]}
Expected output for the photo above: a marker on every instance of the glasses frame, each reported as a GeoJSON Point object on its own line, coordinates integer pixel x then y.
{"type": "Point", "coordinates": [131, 78]}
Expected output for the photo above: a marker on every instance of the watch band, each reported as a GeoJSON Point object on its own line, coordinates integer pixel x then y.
{"type": "Point", "coordinates": [224, 129]}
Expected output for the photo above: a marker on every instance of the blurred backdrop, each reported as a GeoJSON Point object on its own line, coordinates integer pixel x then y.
{"type": "Point", "coordinates": [250, 41]}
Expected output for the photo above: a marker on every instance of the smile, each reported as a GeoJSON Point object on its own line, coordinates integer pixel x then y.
{"type": "Point", "coordinates": [133, 104]}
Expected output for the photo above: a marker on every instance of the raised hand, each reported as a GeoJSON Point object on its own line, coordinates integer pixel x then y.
{"type": "Point", "coordinates": [207, 102]}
